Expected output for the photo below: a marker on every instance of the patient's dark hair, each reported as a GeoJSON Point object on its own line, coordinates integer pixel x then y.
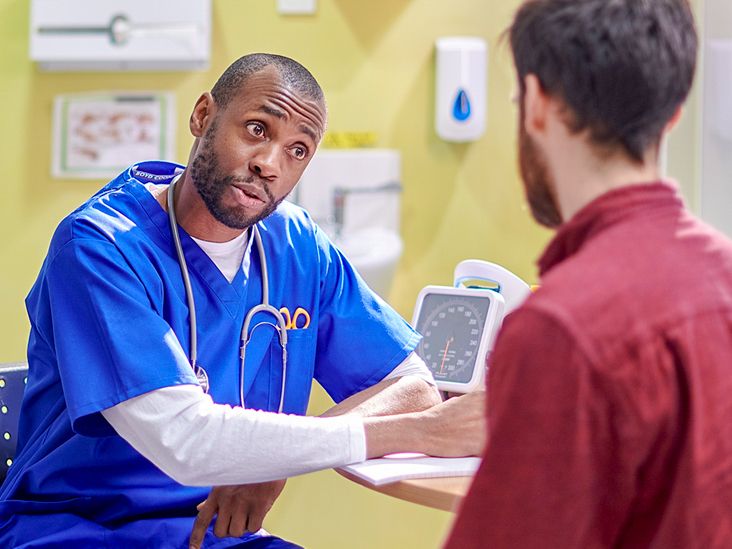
{"type": "Point", "coordinates": [293, 74]}
{"type": "Point", "coordinates": [621, 67]}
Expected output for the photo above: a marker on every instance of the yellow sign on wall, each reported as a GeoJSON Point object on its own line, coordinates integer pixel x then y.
{"type": "Point", "coordinates": [349, 140]}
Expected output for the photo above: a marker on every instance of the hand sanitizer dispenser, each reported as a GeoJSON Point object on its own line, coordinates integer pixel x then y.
{"type": "Point", "coordinates": [460, 111]}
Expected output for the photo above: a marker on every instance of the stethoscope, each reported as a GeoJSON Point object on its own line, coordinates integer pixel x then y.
{"type": "Point", "coordinates": [245, 337]}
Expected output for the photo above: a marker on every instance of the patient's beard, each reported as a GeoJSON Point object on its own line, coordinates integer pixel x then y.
{"type": "Point", "coordinates": [538, 184]}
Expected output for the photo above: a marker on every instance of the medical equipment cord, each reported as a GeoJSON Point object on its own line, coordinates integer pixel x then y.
{"type": "Point", "coordinates": [264, 306]}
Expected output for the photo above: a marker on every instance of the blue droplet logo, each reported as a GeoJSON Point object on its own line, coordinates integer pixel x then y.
{"type": "Point", "coordinates": [461, 108]}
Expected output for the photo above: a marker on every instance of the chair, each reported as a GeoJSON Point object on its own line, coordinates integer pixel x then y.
{"type": "Point", "coordinates": [13, 377]}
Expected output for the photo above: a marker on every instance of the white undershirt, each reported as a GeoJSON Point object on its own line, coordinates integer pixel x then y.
{"type": "Point", "coordinates": [227, 256]}
{"type": "Point", "coordinates": [199, 443]}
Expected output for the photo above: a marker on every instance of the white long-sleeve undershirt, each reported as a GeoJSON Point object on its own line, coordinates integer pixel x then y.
{"type": "Point", "coordinates": [413, 365]}
{"type": "Point", "coordinates": [199, 443]}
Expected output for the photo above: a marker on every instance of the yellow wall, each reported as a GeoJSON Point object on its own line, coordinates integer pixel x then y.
{"type": "Point", "coordinates": [375, 62]}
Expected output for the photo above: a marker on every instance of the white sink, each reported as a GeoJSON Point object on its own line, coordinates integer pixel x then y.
{"type": "Point", "coordinates": [375, 253]}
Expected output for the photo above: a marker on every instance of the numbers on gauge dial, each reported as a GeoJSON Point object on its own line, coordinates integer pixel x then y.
{"type": "Point", "coordinates": [452, 333]}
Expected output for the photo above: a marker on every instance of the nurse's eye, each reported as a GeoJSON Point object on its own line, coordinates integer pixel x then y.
{"type": "Point", "coordinates": [256, 129]}
{"type": "Point", "coordinates": [299, 152]}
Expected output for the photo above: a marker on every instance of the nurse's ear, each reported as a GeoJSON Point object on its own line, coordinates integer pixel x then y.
{"type": "Point", "coordinates": [202, 115]}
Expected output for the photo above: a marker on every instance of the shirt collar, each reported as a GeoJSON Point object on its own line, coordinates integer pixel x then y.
{"type": "Point", "coordinates": [616, 206]}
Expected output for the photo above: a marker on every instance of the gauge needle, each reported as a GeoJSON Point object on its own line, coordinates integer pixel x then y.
{"type": "Point", "coordinates": [444, 355]}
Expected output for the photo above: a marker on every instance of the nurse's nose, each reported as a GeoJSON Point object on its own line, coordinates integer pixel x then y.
{"type": "Point", "coordinates": [265, 162]}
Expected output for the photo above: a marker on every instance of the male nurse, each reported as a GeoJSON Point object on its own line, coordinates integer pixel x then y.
{"type": "Point", "coordinates": [121, 441]}
{"type": "Point", "coordinates": [609, 391]}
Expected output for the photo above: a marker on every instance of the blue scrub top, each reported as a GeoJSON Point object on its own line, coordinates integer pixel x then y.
{"type": "Point", "coordinates": [109, 321]}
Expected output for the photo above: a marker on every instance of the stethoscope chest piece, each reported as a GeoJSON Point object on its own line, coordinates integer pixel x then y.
{"type": "Point", "coordinates": [202, 378]}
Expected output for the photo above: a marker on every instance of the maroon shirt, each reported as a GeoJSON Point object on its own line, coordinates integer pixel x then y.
{"type": "Point", "coordinates": [610, 390]}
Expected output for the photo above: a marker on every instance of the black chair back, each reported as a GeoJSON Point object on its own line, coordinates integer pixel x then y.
{"type": "Point", "coordinates": [13, 377]}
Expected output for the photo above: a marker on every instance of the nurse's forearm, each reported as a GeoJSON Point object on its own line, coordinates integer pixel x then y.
{"type": "Point", "coordinates": [199, 443]}
{"type": "Point", "coordinates": [453, 428]}
{"type": "Point", "coordinates": [409, 387]}
{"type": "Point", "coordinates": [392, 396]}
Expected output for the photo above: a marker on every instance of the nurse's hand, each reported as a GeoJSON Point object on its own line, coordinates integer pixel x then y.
{"type": "Point", "coordinates": [454, 428]}
{"type": "Point", "coordinates": [239, 509]}
{"type": "Point", "coordinates": [457, 427]}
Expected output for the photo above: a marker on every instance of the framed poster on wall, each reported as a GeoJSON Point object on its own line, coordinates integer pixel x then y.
{"type": "Point", "coordinates": [97, 135]}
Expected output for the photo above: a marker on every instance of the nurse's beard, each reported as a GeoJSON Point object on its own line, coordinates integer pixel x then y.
{"type": "Point", "coordinates": [211, 185]}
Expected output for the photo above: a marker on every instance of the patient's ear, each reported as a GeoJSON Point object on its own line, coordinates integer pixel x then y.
{"type": "Point", "coordinates": [671, 124]}
{"type": "Point", "coordinates": [536, 106]}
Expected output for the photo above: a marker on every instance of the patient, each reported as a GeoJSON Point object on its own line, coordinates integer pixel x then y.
{"type": "Point", "coordinates": [609, 391]}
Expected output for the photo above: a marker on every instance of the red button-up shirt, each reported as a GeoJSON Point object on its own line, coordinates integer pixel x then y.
{"type": "Point", "coordinates": [610, 390]}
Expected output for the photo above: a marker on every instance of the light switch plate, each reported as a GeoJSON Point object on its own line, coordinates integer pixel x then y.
{"type": "Point", "coordinates": [297, 7]}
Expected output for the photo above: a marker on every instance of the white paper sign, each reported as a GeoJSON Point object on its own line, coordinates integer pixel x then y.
{"type": "Point", "coordinates": [99, 135]}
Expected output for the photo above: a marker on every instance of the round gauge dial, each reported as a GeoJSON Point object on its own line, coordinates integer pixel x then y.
{"type": "Point", "coordinates": [452, 329]}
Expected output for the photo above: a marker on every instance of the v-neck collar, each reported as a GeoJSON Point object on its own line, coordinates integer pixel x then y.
{"type": "Point", "coordinates": [231, 294]}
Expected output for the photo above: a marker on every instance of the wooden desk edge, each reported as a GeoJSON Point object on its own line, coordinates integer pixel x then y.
{"type": "Point", "coordinates": [443, 493]}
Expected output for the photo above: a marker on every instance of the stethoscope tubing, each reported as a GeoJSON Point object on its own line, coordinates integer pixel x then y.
{"type": "Point", "coordinates": [184, 273]}
{"type": "Point", "coordinates": [281, 327]}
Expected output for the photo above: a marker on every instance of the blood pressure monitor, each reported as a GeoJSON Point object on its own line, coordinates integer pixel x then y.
{"type": "Point", "coordinates": [459, 324]}
{"type": "Point", "coordinates": [458, 327]}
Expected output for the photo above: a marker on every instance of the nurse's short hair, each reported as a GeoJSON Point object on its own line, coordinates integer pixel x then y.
{"type": "Point", "coordinates": [621, 67]}
{"type": "Point", "coordinates": [294, 75]}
